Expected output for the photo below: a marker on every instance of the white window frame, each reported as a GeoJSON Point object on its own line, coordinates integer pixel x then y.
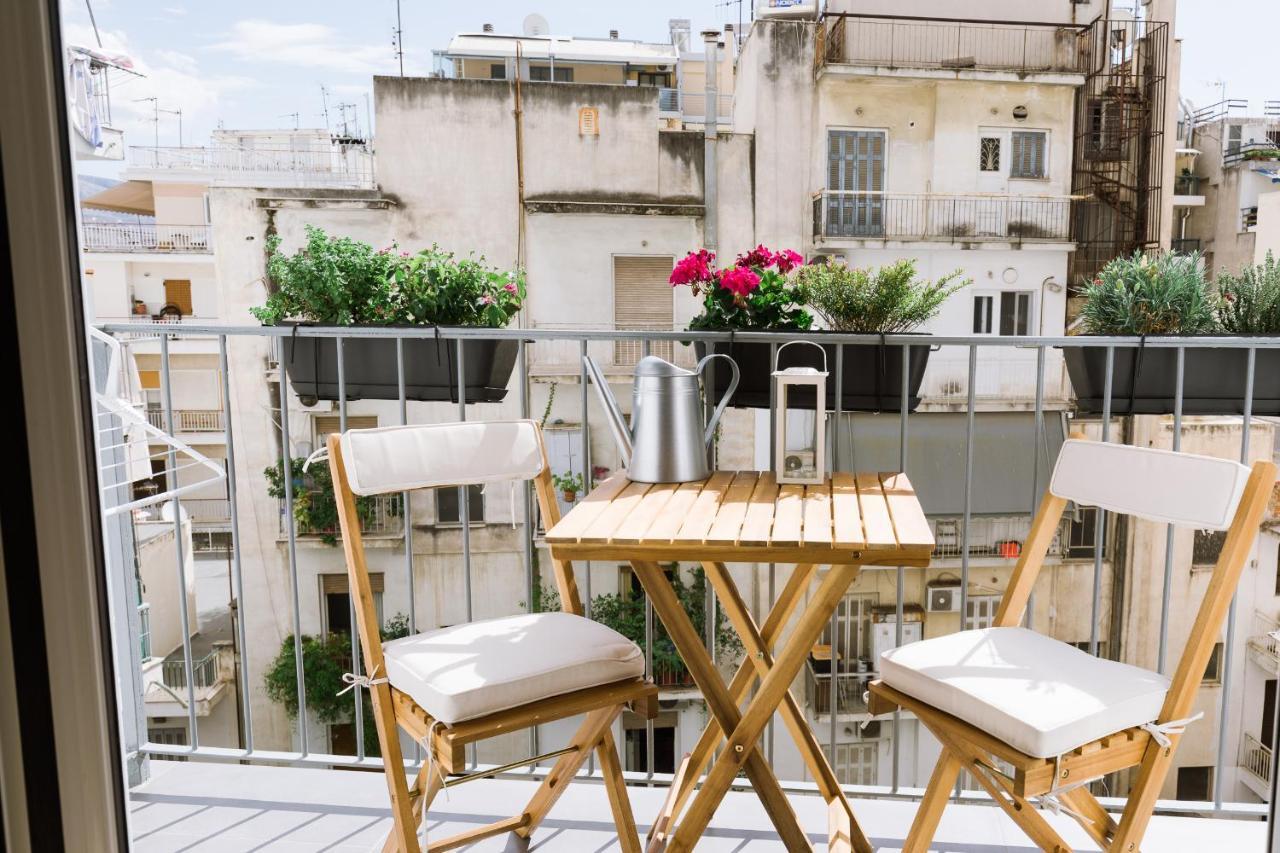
{"type": "Point", "coordinates": [984, 615]}
{"type": "Point", "coordinates": [857, 762]}
{"type": "Point", "coordinates": [994, 318]}
{"type": "Point", "coordinates": [1048, 149]}
{"type": "Point", "coordinates": [1005, 135]}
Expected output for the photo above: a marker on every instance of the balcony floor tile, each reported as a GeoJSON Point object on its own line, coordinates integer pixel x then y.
{"type": "Point", "coordinates": [227, 807]}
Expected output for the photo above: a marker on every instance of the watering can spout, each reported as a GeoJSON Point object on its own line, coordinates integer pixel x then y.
{"type": "Point", "coordinates": [613, 414]}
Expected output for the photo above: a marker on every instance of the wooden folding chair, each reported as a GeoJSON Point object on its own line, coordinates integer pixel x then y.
{"type": "Point", "coordinates": [1059, 716]}
{"type": "Point", "coordinates": [454, 686]}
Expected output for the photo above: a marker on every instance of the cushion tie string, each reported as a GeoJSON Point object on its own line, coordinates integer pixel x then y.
{"type": "Point", "coordinates": [1052, 802]}
{"type": "Point", "coordinates": [1160, 731]}
{"type": "Point", "coordinates": [352, 680]}
{"type": "Point", "coordinates": [433, 769]}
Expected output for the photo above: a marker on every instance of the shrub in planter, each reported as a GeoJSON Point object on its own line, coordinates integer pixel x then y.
{"type": "Point", "coordinates": [337, 281]}
{"type": "Point", "coordinates": [1167, 295]}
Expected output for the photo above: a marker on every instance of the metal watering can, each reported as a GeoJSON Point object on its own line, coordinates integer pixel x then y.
{"type": "Point", "coordinates": [667, 442]}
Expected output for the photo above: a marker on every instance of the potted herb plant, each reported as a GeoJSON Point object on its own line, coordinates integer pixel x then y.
{"type": "Point", "coordinates": [887, 300]}
{"type": "Point", "coordinates": [1168, 295]}
{"type": "Point", "coordinates": [337, 281]}
{"type": "Point", "coordinates": [569, 485]}
{"type": "Point", "coordinates": [758, 293]}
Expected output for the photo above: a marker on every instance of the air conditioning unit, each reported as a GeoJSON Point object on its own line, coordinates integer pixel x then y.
{"type": "Point", "coordinates": [943, 598]}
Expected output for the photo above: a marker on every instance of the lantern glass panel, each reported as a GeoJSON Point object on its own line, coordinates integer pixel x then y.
{"type": "Point", "coordinates": [800, 431]}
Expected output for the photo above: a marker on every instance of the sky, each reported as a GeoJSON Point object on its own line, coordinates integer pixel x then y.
{"type": "Point", "coordinates": [242, 64]}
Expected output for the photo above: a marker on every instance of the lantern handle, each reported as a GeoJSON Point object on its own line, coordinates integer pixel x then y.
{"type": "Point", "coordinates": [777, 356]}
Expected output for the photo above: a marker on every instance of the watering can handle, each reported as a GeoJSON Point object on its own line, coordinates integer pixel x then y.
{"type": "Point", "coordinates": [724, 401]}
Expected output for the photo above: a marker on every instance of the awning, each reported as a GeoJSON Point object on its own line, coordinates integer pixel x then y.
{"type": "Point", "coordinates": [1004, 477]}
{"type": "Point", "coordinates": [124, 197]}
{"type": "Point", "coordinates": [1272, 175]}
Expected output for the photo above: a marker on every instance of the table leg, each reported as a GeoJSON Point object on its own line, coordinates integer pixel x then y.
{"type": "Point", "coordinates": [847, 834]}
{"type": "Point", "coordinates": [742, 733]}
{"type": "Point", "coordinates": [686, 781]}
{"type": "Point", "coordinates": [688, 642]}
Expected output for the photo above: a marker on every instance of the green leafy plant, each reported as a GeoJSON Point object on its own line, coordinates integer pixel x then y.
{"type": "Point", "coordinates": [1249, 302]}
{"type": "Point", "coordinates": [1262, 154]}
{"type": "Point", "coordinates": [888, 299]}
{"type": "Point", "coordinates": [757, 292]}
{"type": "Point", "coordinates": [567, 482]}
{"type": "Point", "coordinates": [1144, 295]}
{"type": "Point", "coordinates": [325, 659]}
{"type": "Point", "coordinates": [339, 281]}
{"type": "Point", "coordinates": [315, 510]}
{"type": "Point", "coordinates": [625, 614]}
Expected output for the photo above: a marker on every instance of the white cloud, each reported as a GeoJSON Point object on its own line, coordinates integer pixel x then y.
{"type": "Point", "coordinates": [175, 10]}
{"type": "Point", "coordinates": [304, 45]}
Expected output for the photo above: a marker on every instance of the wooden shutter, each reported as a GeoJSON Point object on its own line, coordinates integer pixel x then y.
{"type": "Point", "coordinates": [177, 291]}
{"type": "Point", "coordinates": [149, 380]}
{"type": "Point", "coordinates": [326, 424]}
{"type": "Point", "coordinates": [642, 299]}
{"type": "Point", "coordinates": [335, 584]}
{"type": "Point", "coordinates": [1028, 154]}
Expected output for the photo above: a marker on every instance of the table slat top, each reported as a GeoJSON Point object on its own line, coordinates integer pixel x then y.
{"type": "Point", "coordinates": [746, 516]}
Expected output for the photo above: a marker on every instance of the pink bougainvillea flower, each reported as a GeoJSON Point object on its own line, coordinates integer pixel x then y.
{"type": "Point", "coordinates": [787, 260]}
{"type": "Point", "coordinates": [739, 281]}
{"type": "Point", "coordinates": [693, 268]}
{"type": "Point", "coordinates": [760, 256]}
{"type": "Point", "coordinates": [510, 287]}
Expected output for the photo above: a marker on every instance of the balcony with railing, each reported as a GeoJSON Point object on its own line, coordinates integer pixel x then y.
{"type": "Point", "coordinates": [851, 41]}
{"type": "Point", "coordinates": [506, 577]}
{"type": "Point", "coordinates": [204, 672]}
{"type": "Point", "coordinates": [380, 515]}
{"type": "Point", "coordinates": [1264, 643]}
{"type": "Point", "coordinates": [1257, 762]}
{"type": "Point", "coordinates": [843, 215]}
{"type": "Point", "coordinates": [148, 237]}
{"type": "Point", "coordinates": [338, 165]}
{"type": "Point", "coordinates": [1266, 151]}
{"type": "Point", "coordinates": [188, 420]}
{"type": "Point", "coordinates": [692, 106]}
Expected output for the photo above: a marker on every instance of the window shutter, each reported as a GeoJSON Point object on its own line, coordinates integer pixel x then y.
{"type": "Point", "coordinates": [149, 379]}
{"type": "Point", "coordinates": [642, 300]}
{"type": "Point", "coordinates": [177, 291]}
{"type": "Point", "coordinates": [1027, 155]}
{"type": "Point", "coordinates": [326, 424]}
{"type": "Point", "coordinates": [336, 584]}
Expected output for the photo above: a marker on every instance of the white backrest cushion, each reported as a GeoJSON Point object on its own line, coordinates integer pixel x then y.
{"type": "Point", "coordinates": [423, 456]}
{"type": "Point", "coordinates": [1158, 485]}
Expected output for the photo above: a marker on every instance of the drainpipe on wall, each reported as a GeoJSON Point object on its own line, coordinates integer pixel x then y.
{"type": "Point", "coordinates": [710, 119]}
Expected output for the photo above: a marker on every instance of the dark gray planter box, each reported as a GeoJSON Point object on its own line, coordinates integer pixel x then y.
{"type": "Point", "coordinates": [1144, 380]}
{"type": "Point", "coordinates": [430, 368]}
{"type": "Point", "coordinates": [872, 373]}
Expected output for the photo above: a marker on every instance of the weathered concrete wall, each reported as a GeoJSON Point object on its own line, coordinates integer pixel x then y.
{"type": "Point", "coordinates": [1049, 11]}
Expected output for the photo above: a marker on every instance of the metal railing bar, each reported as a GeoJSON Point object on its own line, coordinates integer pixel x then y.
{"type": "Point", "coordinates": [1229, 637]}
{"type": "Point", "coordinates": [833, 705]}
{"type": "Point", "coordinates": [407, 509]}
{"type": "Point", "coordinates": [646, 349]}
{"type": "Point", "coordinates": [526, 506]}
{"type": "Point", "coordinates": [900, 579]}
{"type": "Point", "coordinates": [1100, 525]}
{"type": "Point", "coordinates": [291, 534]}
{"type": "Point", "coordinates": [1038, 426]}
{"type": "Point", "coordinates": [1166, 591]}
{"type": "Point", "coordinates": [682, 336]}
{"type": "Point", "coordinates": [166, 393]}
{"type": "Point", "coordinates": [584, 431]}
{"type": "Point", "coordinates": [237, 575]}
{"type": "Point", "coordinates": [968, 494]}
{"type": "Point", "coordinates": [464, 516]}
{"type": "Point", "coordinates": [773, 466]}
{"type": "Point", "coordinates": [356, 695]}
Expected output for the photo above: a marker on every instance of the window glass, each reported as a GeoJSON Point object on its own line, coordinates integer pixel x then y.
{"type": "Point", "coordinates": [447, 505]}
{"type": "Point", "coordinates": [989, 154]}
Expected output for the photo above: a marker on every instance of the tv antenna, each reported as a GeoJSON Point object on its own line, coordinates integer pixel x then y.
{"type": "Point", "coordinates": [178, 113]}
{"type": "Point", "coordinates": [324, 101]}
{"type": "Point", "coordinates": [397, 40]}
{"type": "Point", "coordinates": [294, 116]}
{"type": "Point", "coordinates": [155, 114]}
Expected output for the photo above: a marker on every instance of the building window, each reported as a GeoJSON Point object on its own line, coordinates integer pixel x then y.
{"type": "Point", "coordinates": [1235, 133]}
{"type": "Point", "coordinates": [326, 424]}
{"type": "Point", "coordinates": [1213, 669]}
{"type": "Point", "coordinates": [177, 292]}
{"type": "Point", "coordinates": [546, 74]}
{"type": "Point", "coordinates": [498, 71]}
{"type": "Point", "coordinates": [1195, 783]}
{"type": "Point", "coordinates": [447, 511]}
{"type": "Point", "coordinates": [857, 763]}
{"type": "Point", "coordinates": [169, 736]}
{"type": "Point", "coordinates": [1082, 532]}
{"type": "Point", "coordinates": [980, 611]}
{"type": "Point", "coordinates": [1207, 546]}
{"type": "Point", "coordinates": [1027, 154]}
{"type": "Point", "coordinates": [989, 154]}
{"type": "Point", "coordinates": [635, 746]}
{"type": "Point", "coordinates": [1278, 571]}
{"type": "Point", "coordinates": [1015, 313]}
{"type": "Point", "coordinates": [661, 79]}
{"type": "Point", "coordinates": [335, 601]}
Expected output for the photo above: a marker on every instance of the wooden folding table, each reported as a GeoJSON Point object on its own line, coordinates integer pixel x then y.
{"type": "Point", "coordinates": [850, 521]}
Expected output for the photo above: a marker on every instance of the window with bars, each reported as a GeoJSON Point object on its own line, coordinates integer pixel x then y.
{"type": "Point", "coordinates": [447, 509]}
{"type": "Point", "coordinates": [989, 154]}
{"type": "Point", "coordinates": [1014, 313]}
{"type": "Point", "coordinates": [1206, 547]}
{"type": "Point", "coordinates": [642, 301]}
{"type": "Point", "coordinates": [1082, 532]}
{"type": "Point", "coordinates": [980, 611]}
{"type": "Point", "coordinates": [1027, 154]}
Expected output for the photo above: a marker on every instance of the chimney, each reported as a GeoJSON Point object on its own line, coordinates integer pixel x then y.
{"type": "Point", "coordinates": [488, 28]}
{"type": "Point", "coordinates": [710, 188]}
{"type": "Point", "coordinates": [613, 34]}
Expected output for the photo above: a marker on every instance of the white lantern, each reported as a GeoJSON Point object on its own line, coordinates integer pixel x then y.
{"type": "Point", "coordinates": [800, 449]}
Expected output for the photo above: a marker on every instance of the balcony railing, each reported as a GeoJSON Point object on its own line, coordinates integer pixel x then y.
{"type": "Point", "coordinates": [208, 512]}
{"type": "Point", "coordinates": [484, 553]}
{"type": "Point", "coordinates": [1250, 152]}
{"type": "Point", "coordinates": [335, 165]}
{"type": "Point", "coordinates": [144, 630]}
{"type": "Point", "coordinates": [204, 672]}
{"type": "Point", "coordinates": [1248, 218]}
{"type": "Point", "coordinates": [850, 689]}
{"type": "Point", "coordinates": [1264, 644]}
{"type": "Point", "coordinates": [864, 215]}
{"type": "Point", "coordinates": [954, 45]}
{"type": "Point", "coordinates": [986, 536]}
{"type": "Point", "coordinates": [693, 105]}
{"type": "Point", "coordinates": [1256, 758]}
{"type": "Point", "coordinates": [146, 237]}
{"type": "Point", "coordinates": [1185, 246]}
{"type": "Point", "coordinates": [189, 420]}
{"type": "Point", "coordinates": [380, 515]}
{"type": "Point", "coordinates": [1187, 185]}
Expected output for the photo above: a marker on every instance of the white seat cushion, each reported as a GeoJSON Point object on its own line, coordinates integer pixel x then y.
{"type": "Point", "coordinates": [1040, 696]}
{"type": "Point", "coordinates": [479, 668]}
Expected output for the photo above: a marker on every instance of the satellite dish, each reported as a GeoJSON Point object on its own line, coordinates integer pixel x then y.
{"type": "Point", "coordinates": [536, 25]}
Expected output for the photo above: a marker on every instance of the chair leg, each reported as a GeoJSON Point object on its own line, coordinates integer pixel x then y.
{"type": "Point", "coordinates": [422, 794]}
{"type": "Point", "coordinates": [619, 802]}
{"type": "Point", "coordinates": [932, 804]}
{"type": "Point", "coordinates": [404, 829]}
{"type": "Point", "coordinates": [588, 734]}
{"type": "Point", "coordinates": [1093, 817]}
{"type": "Point", "coordinates": [1142, 799]}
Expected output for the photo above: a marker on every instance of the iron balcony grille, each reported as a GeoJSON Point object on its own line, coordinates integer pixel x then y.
{"type": "Point", "coordinates": [847, 214]}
